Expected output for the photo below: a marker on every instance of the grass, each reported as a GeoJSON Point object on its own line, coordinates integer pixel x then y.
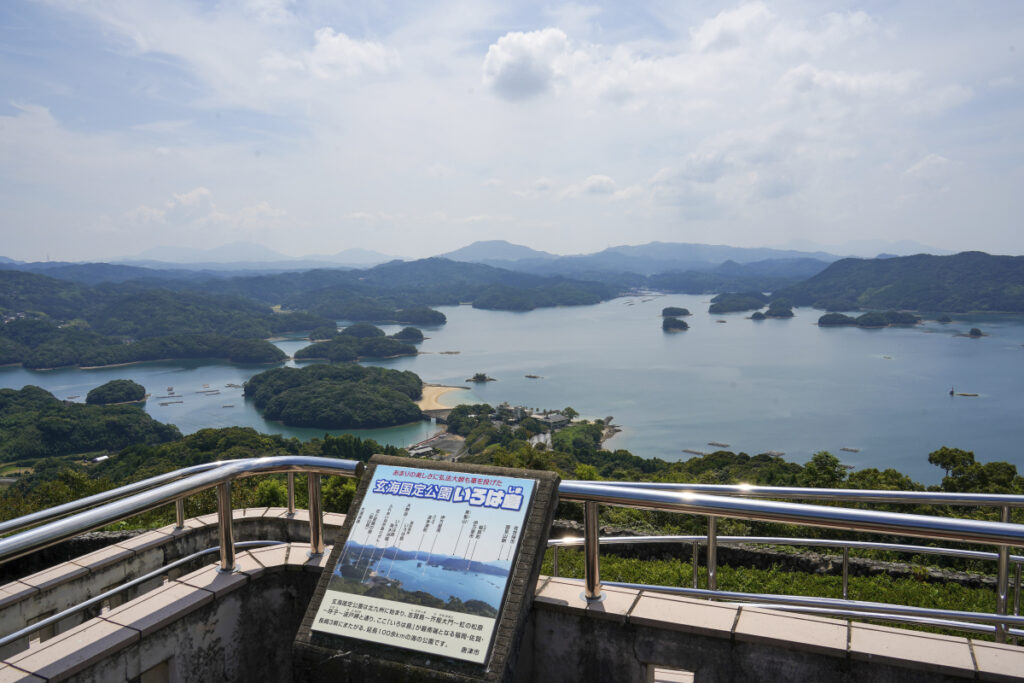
{"type": "Point", "coordinates": [777, 581]}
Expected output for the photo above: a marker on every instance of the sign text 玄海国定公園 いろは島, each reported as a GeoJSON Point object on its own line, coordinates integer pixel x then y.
{"type": "Point", "coordinates": [427, 561]}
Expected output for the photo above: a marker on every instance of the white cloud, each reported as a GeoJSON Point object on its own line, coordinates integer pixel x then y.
{"type": "Point", "coordinates": [523, 65]}
{"type": "Point", "coordinates": [732, 27]}
{"type": "Point", "coordinates": [593, 186]}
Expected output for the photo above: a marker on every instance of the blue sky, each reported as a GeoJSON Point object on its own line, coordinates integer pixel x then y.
{"type": "Point", "coordinates": [416, 128]}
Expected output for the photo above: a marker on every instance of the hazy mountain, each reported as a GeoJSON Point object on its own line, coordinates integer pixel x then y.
{"type": "Point", "coordinates": [4, 259]}
{"type": "Point", "coordinates": [226, 253]}
{"type": "Point", "coordinates": [867, 248]}
{"type": "Point", "coordinates": [683, 252]}
{"type": "Point", "coordinates": [354, 257]}
{"type": "Point", "coordinates": [641, 260]}
{"type": "Point", "coordinates": [486, 251]}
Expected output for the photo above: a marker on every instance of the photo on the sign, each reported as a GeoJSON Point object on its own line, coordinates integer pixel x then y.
{"type": "Point", "coordinates": [451, 583]}
{"type": "Point", "coordinates": [447, 554]}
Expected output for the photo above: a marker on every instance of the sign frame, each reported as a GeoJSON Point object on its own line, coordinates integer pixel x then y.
{"type": "Point", "coordinates": [319, 655]}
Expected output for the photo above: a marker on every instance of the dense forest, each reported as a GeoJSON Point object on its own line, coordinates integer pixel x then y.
{"type": "Point", "coordinates": [35, 424]}
{"type": "Point", "coordinates": [970, 281]}
{"type": "Point", "coordinates": [344, 396]}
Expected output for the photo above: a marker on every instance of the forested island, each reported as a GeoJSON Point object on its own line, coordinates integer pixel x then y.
{"type": "Point", "coordinates": [361, 340]}
{"type": "Point", "coordinates": [674, 325]}
{"type": "Point", "coordinates": [116, 391]}
{"type": "Point", "coordinates": [735, 302]}
{"type": "Point", "coordinates": [969, 281]}
{"type": "Point", "coordinates": [343, 396]}
{"type": "Point", "coordinates": [873, 319]}
{"type": "Point", "coordinates": [674, 312]}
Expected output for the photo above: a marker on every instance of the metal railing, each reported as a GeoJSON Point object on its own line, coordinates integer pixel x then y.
{"type": "Point", "coordinates": [695, 499]}
{"type": "Point", "coordinates": [706, 500]}
{"type": "Point", "coordinates": [177, 490]}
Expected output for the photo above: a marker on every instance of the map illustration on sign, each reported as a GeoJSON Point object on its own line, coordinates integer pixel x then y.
{"type": "Point", "coordinates": [427, 561]}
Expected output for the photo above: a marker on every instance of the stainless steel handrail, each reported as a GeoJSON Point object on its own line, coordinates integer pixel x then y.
{"type": "Point", "coordinates": [1002, 534]}
{"type": "Point", "coordinates": [57, 511]}
{"type": "Point", "coordinates": [845, 546]}
{"type": "Point", "coordinates": [693, 499]}
{"type": "Point", "coordinates": [54, 532]}
{"type": "Point", "coordinates": [850, 519]}
{"type": "Point", "coordinates": [572, 541]}
{"type": "Point", "coordinates": [838, 495]}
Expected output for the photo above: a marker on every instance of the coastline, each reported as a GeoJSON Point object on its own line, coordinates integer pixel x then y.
{"type": "Point", "coordinates": [431, 394]}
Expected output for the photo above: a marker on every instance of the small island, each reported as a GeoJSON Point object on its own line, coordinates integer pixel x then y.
{"type": "Point", "coordinates": [674, 325]}
{"type": "Point", "coordinates": [758, 315]}
{"type": "Point", "coordinates": [344, 396]}
{"type": "Point", "coordinates": [117, 391]}
{"type": "Point", "coordinates": [481, 377]}
{"type": "Point", "coordinates": [361, 340]}
{"type": "Point", "coordinates": [873, 319]}
{"type": "Point", "coordinates": [674, 312]}
{"type": "Point", "coordinates": [732, 302]}
{"type": "Point", "coordinates": [975, 332]}
{"type": "Point", "coordinates": [780, 308]}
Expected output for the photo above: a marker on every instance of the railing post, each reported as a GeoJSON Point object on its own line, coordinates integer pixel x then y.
{"type": "Point", "coordinates": [1016, 593]}
{"type": "Point", "coordinates": [554, 561]}
{"type": "Point", "coordinates": [591, 552]}
{"type": "Point", "coordinates": [1003, 580]}
{"type": "Point", "coordinates": [696, 564]}
{"type": "Point", "coordinates": [291, 493]}
{"type": "Point", "coordinates": [179, 513]}
{"type": "Point", "coordinates": [227, 537]}
{"type": "Point", "coordinates": [712, 553]}
{"type": "Point", "coordinates": [846, 573]}
{"type": "Point", "coordinates": [316, 516]}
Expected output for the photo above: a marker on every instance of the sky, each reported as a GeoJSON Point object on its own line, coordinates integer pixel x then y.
{"type": "Point", "coordinates": [415, 128]}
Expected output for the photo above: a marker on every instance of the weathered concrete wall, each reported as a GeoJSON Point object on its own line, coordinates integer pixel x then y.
{"type": "Point", "coordinates": [244, 636]}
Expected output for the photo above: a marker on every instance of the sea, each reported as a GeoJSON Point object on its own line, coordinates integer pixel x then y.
{"type": "Point", "coordinates": [873, 397]}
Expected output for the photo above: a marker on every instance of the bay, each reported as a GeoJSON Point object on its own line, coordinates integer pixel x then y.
{"type": "Point", "coordinates": [774, 385]}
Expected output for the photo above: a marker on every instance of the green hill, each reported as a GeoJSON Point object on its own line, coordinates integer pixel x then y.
{"type": "Point", "coordinates": [969, 281]}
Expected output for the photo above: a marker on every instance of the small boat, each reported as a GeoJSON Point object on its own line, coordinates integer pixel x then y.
{"type": "Point", "coordinates": [718, 443]}
{"type": "Point", "coordinates": [228, 405]}
{"type": "Point", "coordinates": [850, 450]}
{"type": "Point", "coordinates": [692, 451]}
{"type": "Point", "coordinates": [167, 403]}
{"type": "Point", "coordinates": [774, 453]}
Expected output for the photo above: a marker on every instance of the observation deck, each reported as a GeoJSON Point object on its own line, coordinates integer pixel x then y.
{"type": "Point", "coordinates": [221, 597]}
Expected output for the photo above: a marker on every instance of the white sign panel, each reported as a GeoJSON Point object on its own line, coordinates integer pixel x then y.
{"type": "Point", "coordinates": [427, 561]}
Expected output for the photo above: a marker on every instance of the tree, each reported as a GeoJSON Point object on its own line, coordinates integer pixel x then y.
{"type": "Point", "coordinates": [271, 493]}
{"type": "Point", "coordinates": [824, 471]}
{"type": "Point", "coordinates": [951, 459]}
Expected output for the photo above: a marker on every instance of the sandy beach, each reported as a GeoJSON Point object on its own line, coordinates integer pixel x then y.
{"type": "Point", "coordinates": [431, 394]}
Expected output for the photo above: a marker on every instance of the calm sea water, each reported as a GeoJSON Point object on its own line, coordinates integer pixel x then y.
{"type": "Point", "coordinates": [441, 583]}
{"type": "Point", "coordinates": [782, 385]}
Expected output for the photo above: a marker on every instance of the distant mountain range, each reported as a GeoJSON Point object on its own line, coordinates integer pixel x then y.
{"type": "Point", "coordinates": [643, 259]}
{"type": "Point", "coordinates": [252, 257]}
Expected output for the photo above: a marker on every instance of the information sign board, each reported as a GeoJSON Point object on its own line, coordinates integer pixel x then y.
{"type": "Point", "coordinates": [427, 561]}
{"type": "Point", "coordinates": [431, 577]}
